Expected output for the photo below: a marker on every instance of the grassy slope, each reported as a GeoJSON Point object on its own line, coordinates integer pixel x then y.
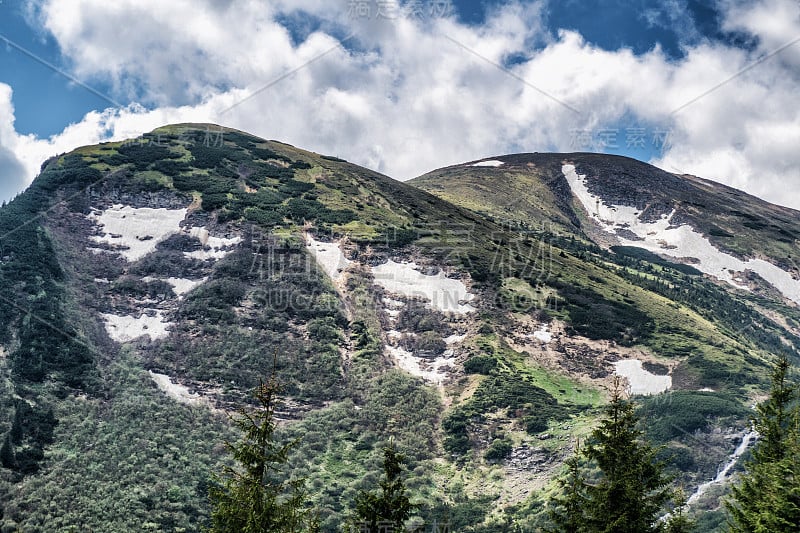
{"type": "Point", "coordinates": [530, 187]}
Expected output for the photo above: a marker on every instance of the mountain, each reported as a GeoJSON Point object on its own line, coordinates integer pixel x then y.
{"type": "Point", "coordinates": [476, 314]}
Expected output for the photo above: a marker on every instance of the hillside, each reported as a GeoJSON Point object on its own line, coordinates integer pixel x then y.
{"type": "Point", "coordinates": [475, 314]}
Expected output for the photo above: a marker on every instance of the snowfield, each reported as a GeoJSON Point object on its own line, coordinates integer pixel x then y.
{"type": "Point", "coordinates": [329, 256]}
{"type": "Point", "coordinates": [182, 285]}
{"type": "Point", "coordinates": [676, 241]}
{"type": "Point", "coordinates": [134, 232]}
{"type": "Point", "coordinates": [445, 294]}
{"type": "Point", "coordinates": [128, 328]}
{"type": "Point", "coordinates": [453, 339]}
{"type": "Point", "coordinates": [543, 334]}
{"type": "Point", "coordinates": [138, 230]}
{"type": "Point", "coordinates": [641, 381]}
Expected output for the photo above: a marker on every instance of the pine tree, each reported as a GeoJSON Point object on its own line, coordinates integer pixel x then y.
{"type": "Point", "coordinates": [767, 497]}
{"type": "Point", "coordinates": [627, 492]}
{"type": "Point", "coordinates": [391, 505]}
{"type": "Point", "coordinates": [567, 510]}
{"type": "Point", "coordinates": [678, 522]}
{"type": "Point", "coordinates": [7, 453]}
{"type": "Point", "coordinates": [253, 498]}
{"type": "Point", "coordinates": [775, 416]}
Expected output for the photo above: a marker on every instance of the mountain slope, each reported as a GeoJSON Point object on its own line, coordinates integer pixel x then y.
{"type": "Point", "coordinates": [149, 284]}
{"type": "Point", "coordinates": [533, 187]}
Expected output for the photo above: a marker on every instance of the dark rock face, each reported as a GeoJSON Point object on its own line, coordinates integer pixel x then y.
{"type": "Point", "coordinates": [529, 459]}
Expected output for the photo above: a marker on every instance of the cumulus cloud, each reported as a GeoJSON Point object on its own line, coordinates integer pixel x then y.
{"type": "Point", "coordinates": [405, 95]}
{"type": "Point", "coordinates": [13, 174]}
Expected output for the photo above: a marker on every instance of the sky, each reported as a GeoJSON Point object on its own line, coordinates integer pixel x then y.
{"type": "Point", "coordinates": [705, 87]}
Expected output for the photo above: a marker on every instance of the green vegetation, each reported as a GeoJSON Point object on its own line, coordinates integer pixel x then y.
{"type": "Point", "coordinates": [130, 461]}
{"type": "Point", "coordinates": [687, 412]}
{"type": "Point", "coordinates": [389, 507]}
{"type": "Point", "coordinates": [621, 488]}
{"type": "Point", "coordinates": [252, 498]}
{"type": "Point", "coordinates": [532, 398]}
{"type": "Point", "coordinates": [767, 497]}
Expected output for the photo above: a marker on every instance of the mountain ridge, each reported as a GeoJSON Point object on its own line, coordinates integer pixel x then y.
{"type": "Point", "coordinates": [181, 266]}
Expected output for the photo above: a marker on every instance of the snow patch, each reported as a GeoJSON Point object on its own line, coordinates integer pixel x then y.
{"type": "Point", "coordinates": [433, 371]}
{"type": "Point", "coordinates": [676, 241]}
{"type": "Point", "coordinates": [174, 390]}
{"type": "Point", "coordinates": [180, 286]}
{"type": "Point", "coordinates": [543, 334]}
{"type": "Point", "coordinates": [392, 304]}
{"type": "Point", "coordinates": [127, 328]}
{"type": "Point", "coordinates": [444, 294]}
{"type": "Point", "coordinates": [329, 256]}
{"type": "Point", "coordinates": [641, 381]}
{"type": "Point", "coordinates": [489, 163]}
{"type": "Point", "coordinates": [452, 339]}
{"type": "Point", "coordinates": [135, 232]}
{"type": "Point", "coordinates": [214, 247]}
{"type": "Point", "coordinates": [200, 233]}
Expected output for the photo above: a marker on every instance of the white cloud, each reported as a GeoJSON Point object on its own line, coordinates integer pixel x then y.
{"type": "Point", "coordinates": [405, 98]}
{"type": "Point", "coordinates": [14, 176]}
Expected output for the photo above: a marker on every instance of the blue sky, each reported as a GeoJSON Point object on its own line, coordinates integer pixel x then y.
{"type": "Point", "coordinates": [45, 101]}
{"type": "Point", "coordinates": [125, 55]}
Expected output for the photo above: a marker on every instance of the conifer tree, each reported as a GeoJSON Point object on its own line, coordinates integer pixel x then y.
{"type": "Point", "coordinates": [622, 487]}
{"type": "Point", "coordinates": [767, 497]}
{"type": "Point", "coordinates": [678, 521]}
{"type": "Point", "coordinates": [630, 494]}
{"type": "Point", "coordinates": [253, 497]}
{"type": "Point", "coordinates": [7, 453]}
{"type": "Point", "coordinates": [568, 508]}
{"type": "Point", "coordinates": [391, 505]}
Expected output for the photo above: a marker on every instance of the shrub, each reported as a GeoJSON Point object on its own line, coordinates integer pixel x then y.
{"type": "Point", "coordinates": [498, 450]}
{"type": "Point", "coordinates": [207, 156]}
{"type": "Point", "coordinates": [266, 153]}
{"type": "Point", "coordinates": [480, 364]}
{"type": "Point", "coordinates": [213, 201]}
{"type": "Point", "coordinates": [263, 217]}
